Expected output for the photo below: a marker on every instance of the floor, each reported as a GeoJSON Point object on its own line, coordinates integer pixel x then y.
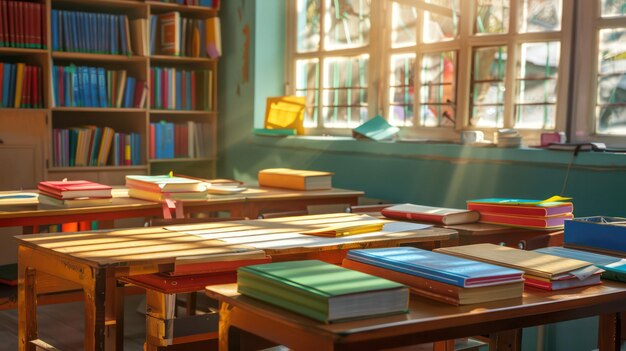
{"type": "Point", "coordinates": [62, 326]}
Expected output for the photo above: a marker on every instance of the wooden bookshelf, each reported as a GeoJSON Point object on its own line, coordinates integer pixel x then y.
{"type": "Point", "coordinates": [31, 129]}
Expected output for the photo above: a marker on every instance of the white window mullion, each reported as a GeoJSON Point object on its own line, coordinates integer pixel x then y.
{"type": "Point", "coordinates": [464, 66]}
{"type": "Point", "coordinates": [512, 58]}
{"type": "Point", "coordinates": [417, 69]}
{"type": "Point", "coordinates": [564, 79]}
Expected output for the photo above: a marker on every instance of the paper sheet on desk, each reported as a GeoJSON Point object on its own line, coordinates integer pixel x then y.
{"type": "Point", "coordinates": [287, 238]}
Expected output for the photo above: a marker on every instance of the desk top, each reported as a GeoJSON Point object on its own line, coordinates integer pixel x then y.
{"type": "Point", "coordinates": [122, 202]}
{"type": "Point", "coordinates": [277, 236]}
{"type": "Point", "coordinates": [427, 317]}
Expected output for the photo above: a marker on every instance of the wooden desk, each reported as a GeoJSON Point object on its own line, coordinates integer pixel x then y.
{"type": "Point", "coordinates": [96, 260]}
{"type": "Point", "coordinates": [519, 238]}
{"type": "Point", "coordinates": [249, 203]}
{"type": "Point", "coordinates": [427, 321]}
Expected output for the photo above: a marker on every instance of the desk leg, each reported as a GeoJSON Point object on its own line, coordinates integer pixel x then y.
{"type": "Point", "coordinates": [447, 345]}
{"type": "Point", "coordinates": [506, 340]}
{"type": "Point", "coordinates": [224, 326]}
{"type": "Point", "coordinates": [95, 311]}
{"type": "Point", "coordinates": [114, 313]}
{"type": "Point", "coordinates": [27, 306]}
{"type": "Point", "coordinates": [609, 332]}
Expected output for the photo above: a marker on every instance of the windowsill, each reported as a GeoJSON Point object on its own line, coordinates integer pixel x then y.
{"type": "Point", "coordinates": [440, 151]}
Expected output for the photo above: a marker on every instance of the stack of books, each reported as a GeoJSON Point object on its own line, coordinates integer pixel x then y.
{"type": "Point", "coordinates": [20, 85]}
{"type": "Point", "coordinates": [442, 215]}
{"type": "Point", "coordinates": [23, 24]}
{"type": "Point", "coordinates": [159, 188]}
{"type": "Point", "coordinates": [523, 213]}
{"type": "Point", "coordinates": [295, 179]}
{"type": "Point", "coordinates": [614, 267]}
{"type": "Point", "coordinates": [180, 89]}
{"type": "Point", "coordinates": [440, 277]}
{"type": "Point", "coordinates": [171, 140]}
{"type": "Point", "coordinates": [541, 271]}
{"type": "Point", "coordinates": [322, 291]}
{"type": "Point", "coordinates": [172, 34]}
{"type": "Point", "coordinates": [74, 193]}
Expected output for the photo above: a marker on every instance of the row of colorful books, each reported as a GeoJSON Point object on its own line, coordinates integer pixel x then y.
{"type": "Point", "coordinates": [23, 24]}
{"type": "Point", "coordinates": [178, 89]}
{"type": "Point", "coordinates": [172, 34]}
{"type": "Point", "coordinates": [171, 140]}
{"type": "Point", "coordinates": [375, 282]}
{"type": "Point", "coordinates": [20, 85]}
{"type": "Point", "coordinates": [82, 86]}
{"type": "Point", "coordinates": [90, 32]}
{"type": "Point", "coordinates": [546, 214]}
{"type": "Point", "coordinates": [95, 146]}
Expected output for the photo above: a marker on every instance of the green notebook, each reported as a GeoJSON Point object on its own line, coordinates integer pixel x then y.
{"type": "Point", "coordinates": [322, 291]}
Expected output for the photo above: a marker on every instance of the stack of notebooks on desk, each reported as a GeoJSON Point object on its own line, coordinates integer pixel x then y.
{"type": "Point", "coordinates": [444, 278]}
{"type": "Point", "coordinates": [546, 214]}
{"type": "Point", "coordinates": [540, 270]}
{"type": "Point", "coordinates": [295, 179]}
{"type": "Point", "coordinates": [614, 267]}
{"type": "Point", "coordinates": [74, 193]}
{"type": "Point", "coordinates": [322, 291]}
{"type": "Point", "coordinates": [158, 188]}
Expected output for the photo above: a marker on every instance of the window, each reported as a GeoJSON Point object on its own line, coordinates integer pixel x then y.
{"type": "Point", "coordinates": [436, 67]}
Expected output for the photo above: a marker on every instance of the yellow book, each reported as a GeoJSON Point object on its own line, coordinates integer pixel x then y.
{"type": "Point", "coordinates": [19, 83]}
{"type": "Point", "coordinates": [295, 179]}
{"type": "Point", "coordinates": [349, 228]}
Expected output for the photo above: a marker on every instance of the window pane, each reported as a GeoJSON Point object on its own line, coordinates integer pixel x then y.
{"type": "Point", "coordinates": [492, 16]}
{"type": "Point", "coordinates": [440, 23]}
{"type": "Point", "coordinates": [541, 16]}
{"type": "Point", "coordinates": [347, 24]}
{"type": "Point", "coordinates": [308, 25]}
{"type": "Point", "coordinates": [401, 89]}
{"type": "Point", "coordinates": [307, 84]}
{"type": "Point", "coordinates": [345, 91]}
{"type": "Point", "coordinates": [488, 85]}
{"type": "Point", "coordinates": [611, 8]}
{"type": "Point", "coordinates": [611, 102]}
{"type": "Point", "coordinates": [403, 25]}
{"type": "Point", "coordinates": [536, 87]}
{"type": "Point", "coordinates": [541, 116]}
{"type": "Point", "coordinates": [437, 95]}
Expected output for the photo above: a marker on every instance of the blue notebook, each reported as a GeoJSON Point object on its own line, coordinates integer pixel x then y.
{"type": "Point", "coordinates": [614, 267]}
{"type": "Point", "coordinates": [436, 266]}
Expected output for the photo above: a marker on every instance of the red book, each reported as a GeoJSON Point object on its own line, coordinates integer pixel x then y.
{"type": "Point", "coordinates": [20, 24]}
{"type": "Point", "coordinates": [28, 25]}
{"type": "Point", "coordinates": [571, 282]}
{"type": "Point", "coordinates": [549, 209]}
{"type": "Point", "coordinates": [12, 13]}
{"type": "Point", "coordinates": [3, 19]}
{"type": "Point", "coordinates": [39, 86]}
{"type": "Point", "coordinates": [71, 189]}
{"type": "Point", "coordinates": [37, 38]}
{"type": "Point", "coordinates": [553, 222]}
{"type": "Point", "coordinates": [447, 216]}
{"type": "Point", "coordinates": [139, 92]}
{"type": "Point", "coordinates": [43, 19]}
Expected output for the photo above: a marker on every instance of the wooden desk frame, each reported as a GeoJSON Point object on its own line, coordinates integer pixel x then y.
{"type": "Point", "coordinates": [502, 321]}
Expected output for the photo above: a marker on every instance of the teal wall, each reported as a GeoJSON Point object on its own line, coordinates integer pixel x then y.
{"type": "Point", "coordinates": [432, 174]}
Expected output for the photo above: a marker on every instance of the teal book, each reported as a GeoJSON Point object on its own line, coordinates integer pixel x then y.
{"type": "Point", "coordinates": [614, 267]}
{"type": "Point", "coordinates": [274, 132]}
{"type": "Point", "coordinates": [322, 291]}
{"type": "Point", "coordinates": [376, 129]}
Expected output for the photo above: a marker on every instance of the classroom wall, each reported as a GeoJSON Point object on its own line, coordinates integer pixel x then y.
{"type": "Point", "coordinates": [435, 174]}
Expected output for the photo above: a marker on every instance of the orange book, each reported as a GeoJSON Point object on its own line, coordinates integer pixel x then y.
{"type": "Point", "coordinates": [170, 33]}
{"type": "Point", "coordinates": [295, 179]}
{"type": "Point", "coordinates": [19, 84]}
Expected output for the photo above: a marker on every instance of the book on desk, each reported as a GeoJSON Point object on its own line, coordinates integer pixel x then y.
{"type": "Point", "coordinates": [322, 291]}
{"type": "Point", "coordinates": [540, 270]}
{"type": "Point", "coordinates": [437, 276]}
{"type": "Point", "coordinates": [447, 216]}
{"type": "Point", "coordinates": [550, 213]}
{"type": "Point", "coordinates": [295, 179]}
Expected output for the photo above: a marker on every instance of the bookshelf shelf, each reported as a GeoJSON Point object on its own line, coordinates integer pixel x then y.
{"type": "Point", "coordinates": [96, 168]}
{"type": "Point", "coordinates": [187, 9]}
{"type": "Point", "coordinates": [98, 109]}
{"type": "Point", "coordinates": [22, 51]}
{"type": "Point", "coordinates": [182, 112]}
{"type": "Point", "coordinates": [165, 59]}
{"type": "Point", "coordinates": [81, 56]}
{"type": "Point", "coordinates": [181, 159]}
